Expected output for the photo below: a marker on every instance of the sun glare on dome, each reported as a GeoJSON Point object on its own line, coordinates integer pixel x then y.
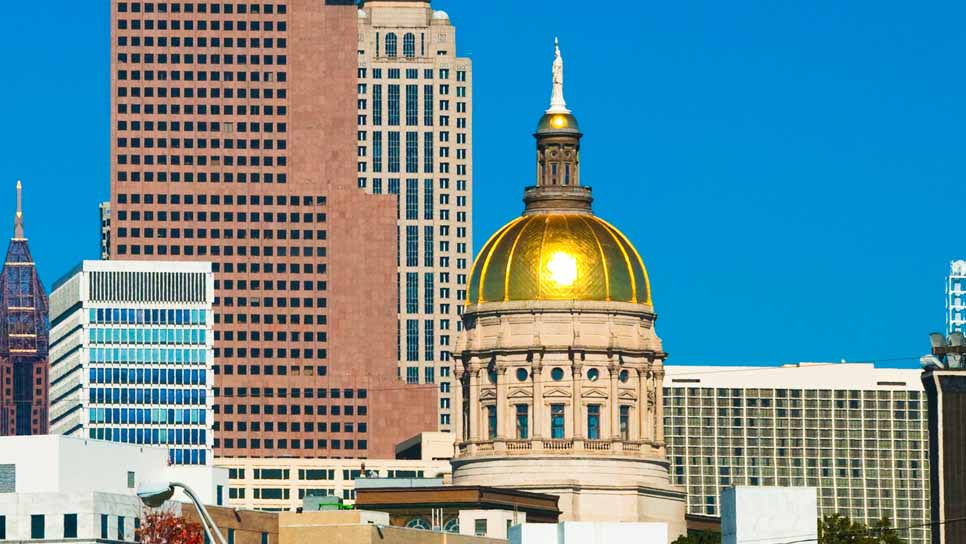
{"type": "Point", "coordinates": [563, 269]}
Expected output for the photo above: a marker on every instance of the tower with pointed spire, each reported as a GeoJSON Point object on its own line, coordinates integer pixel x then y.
{"type": "Point", "coordinates": [23, 338]}
{"type": "Point", "coordinates": [559, 366]}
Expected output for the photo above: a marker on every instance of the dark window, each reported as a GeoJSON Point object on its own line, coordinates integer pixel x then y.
{"type": "Point", "coordinates": [70, 525]}
{"type": "Point", "coordinates": [37, 527]}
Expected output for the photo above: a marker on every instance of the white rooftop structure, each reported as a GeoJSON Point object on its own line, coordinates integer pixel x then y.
{"type": "Point", "coordinates": [860, 376]}
{"type": "Point", "coordinates": [768, 515]}
{"type": "Point", "coordinates": [62, 464]}
{"type": "Point", "coordinates": [956, 297]}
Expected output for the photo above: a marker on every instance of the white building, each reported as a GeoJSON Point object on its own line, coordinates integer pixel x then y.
{"type": "Point", "coordinates": [282, 483]}
{"type": "Point", "coordinates": [55, 487]}
{"type": "Point", "coordinates": [956, 297]}
{"type": "Point", "coordinates": [131, 355]}
{"type": "Point", "coordinates": [572, 532]}
{"type": "Point", "coordinates": [415, 140]}
{"type": "Point", "coordinates": [855, 432]}
{"type": "Point", "coordinates": [769, 515]}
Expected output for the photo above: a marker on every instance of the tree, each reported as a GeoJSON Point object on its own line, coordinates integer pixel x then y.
{"type": "Point", "coordinates": [837, 529]}
{"type": "Point", "coordinates": [699, 537]}
{"type": "Point", "coordinates": [166, 527]}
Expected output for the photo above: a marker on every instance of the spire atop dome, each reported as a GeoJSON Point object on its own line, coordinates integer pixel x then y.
{"type": "Point", "coordinates": [557, 102]}
{"type": "Point", "coordinates": [18, 220]}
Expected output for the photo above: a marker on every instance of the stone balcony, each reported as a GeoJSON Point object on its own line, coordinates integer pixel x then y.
{"type": "Point", "coordinates": [562, 447]}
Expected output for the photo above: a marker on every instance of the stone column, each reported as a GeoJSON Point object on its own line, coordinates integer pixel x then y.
{"type": "Point", "coordinates": [615, 428]}
{"type": "Point", "coordinates": [458, 424]}
{"type": "Point", "coordinates": [536, 374]}
{"type": "Point", "coordinates": [659, 405]}
{"type": "Point", "coordinates": [503, 415]}
{"type": "Point", "coordinates": [644, 416]}
{"type": "Point", "coordinates": [474, 422]}
{"type": "Point", "coordinates": [576, 411]}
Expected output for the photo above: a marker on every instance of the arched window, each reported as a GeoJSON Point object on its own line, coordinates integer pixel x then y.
{"type": "Point", "coordinates": [418, 523]}
{"type": "Point", "coordinates": [391, 45]}
{"type": "Point", "coordinates": [452, 526]}
{"type": "Point", "coordinates": [409, 45]}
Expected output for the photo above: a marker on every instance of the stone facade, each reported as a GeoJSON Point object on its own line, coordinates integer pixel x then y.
{"type": "Point", "coordinates": [559, 365]}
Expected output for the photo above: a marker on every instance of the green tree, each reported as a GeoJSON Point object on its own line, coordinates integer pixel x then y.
{"type": "Point", "coordinates": [838, 529]}
{"type": "Point", "coordinates": [699, 537]}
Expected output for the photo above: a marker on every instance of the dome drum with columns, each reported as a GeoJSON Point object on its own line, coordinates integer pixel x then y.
{"type": "Point", "coordinates": [560, 368]}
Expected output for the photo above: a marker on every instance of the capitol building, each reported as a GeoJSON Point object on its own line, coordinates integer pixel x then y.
{"type": "Point", "coordinates": [560, 367]}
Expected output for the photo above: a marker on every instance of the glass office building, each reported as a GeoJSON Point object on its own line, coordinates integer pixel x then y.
{"type": "Point", "coordinates": [132, 356]}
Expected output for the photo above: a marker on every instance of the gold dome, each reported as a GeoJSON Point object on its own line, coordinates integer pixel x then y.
{"type": "Point", "coordinates": [559, 257]}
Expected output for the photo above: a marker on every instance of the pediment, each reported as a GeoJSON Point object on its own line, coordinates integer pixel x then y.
{"type": "Point", "coordinates": [487, 394]}
{"type": "Point", "coordinates": [627, 395]}
{"type": "Point", "coordinates": [594, 394]}
{"type": "Point", "coordinates": [557, 393]}
{"type": "Point", "coordinates": [520, 393]}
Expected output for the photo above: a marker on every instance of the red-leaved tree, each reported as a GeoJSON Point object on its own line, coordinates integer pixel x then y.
{"type": "Point", "coordinates": [165, 527]}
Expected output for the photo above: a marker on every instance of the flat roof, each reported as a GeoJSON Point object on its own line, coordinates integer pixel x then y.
{"type": "Point", "coordinates": [849, 376]}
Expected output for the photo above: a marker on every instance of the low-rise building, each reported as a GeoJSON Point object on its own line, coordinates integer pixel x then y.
{"type": "Point", "coordinates": [56, 487]}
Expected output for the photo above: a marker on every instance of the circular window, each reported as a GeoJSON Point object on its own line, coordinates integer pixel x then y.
{"type": "Point", "coordinates": [522, 374]}
{"type": "Point", "coordinates": [593, 374]}
{"type": "Point", "coordinates": [418, 523]}
{"type": "Point", "coordinates": [625, 375]}
{"type": "Point", "coordinates": [557, 374]}
{"type": "Point", "coordinates": [491, 374]}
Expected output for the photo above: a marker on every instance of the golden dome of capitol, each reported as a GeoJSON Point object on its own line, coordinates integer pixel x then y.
{"type": "Point", "coordinates": [558, 249]}
{"type": "Point", "coordinates": [559, 256]}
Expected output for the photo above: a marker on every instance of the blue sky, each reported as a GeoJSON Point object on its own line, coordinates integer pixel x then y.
{"type": "Point", "coordinates": [787, 170]}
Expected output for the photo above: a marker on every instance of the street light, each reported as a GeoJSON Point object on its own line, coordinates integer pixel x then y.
{"type": "Point", "coordinates": [153, 495]}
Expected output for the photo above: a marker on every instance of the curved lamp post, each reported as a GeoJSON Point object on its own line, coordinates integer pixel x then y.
{"type": "Point", "coordinates": [154, 495]}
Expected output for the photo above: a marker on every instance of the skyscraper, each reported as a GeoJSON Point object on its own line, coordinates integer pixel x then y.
{"type": "Point", "coordinates": [233, 142]}
{"type": "Point", "coordinates": [855, 432]}
{"type": "Point", "coordinates": [956, 297]}
{"type": "Point", "coordinates": [23, 339]}
{"type": "Point", "coordinates": [132, 358]}
{"type": "Point", "coordinates": [415, 106]}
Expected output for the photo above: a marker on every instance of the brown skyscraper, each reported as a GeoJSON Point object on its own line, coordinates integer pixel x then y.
{"type": "Point", "coordinates": [233, 141]}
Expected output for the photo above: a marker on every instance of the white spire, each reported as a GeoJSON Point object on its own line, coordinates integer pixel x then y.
{"type": "Point", "coordinates": [18, 220]}
{"type": "Point", "coordinates": [557, 102]}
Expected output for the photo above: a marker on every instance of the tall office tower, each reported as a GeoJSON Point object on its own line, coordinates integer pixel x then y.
{"type": "Point", "coordinates": [131, 352]}
{"type": "Point", "coordinates": [23, 339]}
{"type": "Point", "coordinates": [415, 141]}
{"type": "Point", "coordinates": [233, 141]}
{"type": "Point", "coordinates": [944, 379]}
{"type": "Point", "coordinates": [105, 209]}
{"type": "Point", "coordinates": [956, 297]}
{"type": "Point", "coordinates": [855, 432]}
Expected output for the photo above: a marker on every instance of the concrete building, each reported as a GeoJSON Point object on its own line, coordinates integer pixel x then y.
{"type": "Point", "coordinates": [956, 297]}
{"type": "Point", "coordinates": [468, 510]}
{"type": "Point", "coordinates": [769, 515]}
{"type": "Point", "coordinates": [131, 354]}
{"type": "Point", "coordinates": [55, 487]}
{"type": "Point", "coordinates": [559, 363]}
{"type": "Point", "coordinates": [346, 527]}
{"type": "Point", "coordinates": [281, 484]}
{"type": "Point", "coordinates": [415, 141]}
{"type": "Point", "coordinates": [855, 432]}
{"type": "Point", "coordinates": [239, 149]}
{"type": "Point", "coordinates": [944, 379]}
{"type": "Point", "coordinates": [105, 217]}
{"type": "Point", "coordinates": [24, 365]}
